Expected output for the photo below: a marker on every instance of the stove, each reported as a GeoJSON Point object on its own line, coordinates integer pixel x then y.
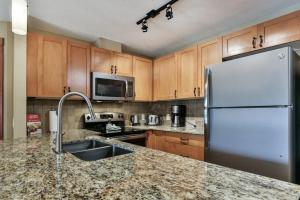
{"type": "Point", "coordinates": [112, 125]}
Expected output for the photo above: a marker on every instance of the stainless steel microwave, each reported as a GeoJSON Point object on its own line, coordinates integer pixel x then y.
{"type": "Point", "coordinates": [111, 87]}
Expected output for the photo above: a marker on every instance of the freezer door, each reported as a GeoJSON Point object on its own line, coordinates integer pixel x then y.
{"type": "Point", "coordinates": [257, 140]}
{"type": "Point", "coordinates": [262, 79]}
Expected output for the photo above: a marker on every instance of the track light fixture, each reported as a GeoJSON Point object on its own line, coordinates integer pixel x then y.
{"type": "Point", "coordinates": [144, 26]}
{"type": "Point", "coordinates": [169, 12]}
{"type": "Point", "coordinates": [153, 13]}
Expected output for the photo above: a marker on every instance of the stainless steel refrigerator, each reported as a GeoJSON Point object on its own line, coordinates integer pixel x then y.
{"type": "Point", "coordinates": [250, 111]}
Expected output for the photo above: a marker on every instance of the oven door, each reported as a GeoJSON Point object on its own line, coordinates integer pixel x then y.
{"type": "Point", "coordinates": [111, 87]}
{"type": "Point", "coordinates": [137, 139]}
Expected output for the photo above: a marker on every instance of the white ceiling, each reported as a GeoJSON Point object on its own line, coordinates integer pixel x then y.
{"type": "Point", "coordinates": [194, 20]}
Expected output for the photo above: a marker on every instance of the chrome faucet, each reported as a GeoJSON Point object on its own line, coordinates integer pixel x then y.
{"type": "Point", "coordinates": [58, 138]}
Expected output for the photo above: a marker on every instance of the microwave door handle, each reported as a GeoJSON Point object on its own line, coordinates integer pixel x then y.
{"type": "Point", "coordinates": [206, 107]}
{"type": "Point", "coordinates": [126, 89]}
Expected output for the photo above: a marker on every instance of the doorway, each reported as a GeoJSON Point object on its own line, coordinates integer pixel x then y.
{"type": "Point", "coordinates": [1, 85]}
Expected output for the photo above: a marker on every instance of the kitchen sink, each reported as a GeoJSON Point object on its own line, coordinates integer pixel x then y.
{"type": "Point", "coordinates": [90, 150]}
{"type": "Point", "coordinates": [82, 145]}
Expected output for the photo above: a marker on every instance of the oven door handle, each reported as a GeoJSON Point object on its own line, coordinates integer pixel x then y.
{"type": "Point", "coordinates": [130, 137]}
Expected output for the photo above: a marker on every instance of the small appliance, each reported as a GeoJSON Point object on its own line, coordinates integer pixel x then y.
{"type": "Point", "coordinates": [154, 120]}
{"type": "Point", "coordinates": [178, 115]}
{"type": "Point", "coordinates": [134, 119]}
{"type": "Point", "coordinates": [112, 87]}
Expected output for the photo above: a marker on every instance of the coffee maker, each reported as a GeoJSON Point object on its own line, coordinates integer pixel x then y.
{"type": "Point", "coordinates": [178, 114]}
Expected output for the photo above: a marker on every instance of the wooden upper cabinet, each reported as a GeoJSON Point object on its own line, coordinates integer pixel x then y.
{"type": "Point", "coordinates": [52, 67]}
{"type": "Point", "coordinates": [32, 64]}
{"type": "Point", "coordinates": [101, 60]}
{"type": "Point", "coordinates": [79, 67]}
{"type": "Point", "coordinates": [187, 73]}
{"type": "Point", "coordinates": [155, 89]}
{"type": "Point", "coordinates": [123, 64]}
{"type": "Point", "coordinates": [142, 72]}
{"type": "Point", "coordinates": [208, 53]}
{"type": "Point", "coordinates": [280, 30]}
{"type": "Point", "coordinates": [240, 42]}
{"type": "Point", "coordinates": [167, 88]}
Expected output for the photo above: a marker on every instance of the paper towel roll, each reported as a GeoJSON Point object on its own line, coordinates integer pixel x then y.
{"type": "Point", "coordinates": [52, 121]}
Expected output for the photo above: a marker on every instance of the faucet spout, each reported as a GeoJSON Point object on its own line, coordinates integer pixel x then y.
{"type": "Point", "coordinates": [58, 138]}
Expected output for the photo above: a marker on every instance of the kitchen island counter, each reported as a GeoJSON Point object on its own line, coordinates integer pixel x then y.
{"type": "Point", "coordinates": [29, 169]}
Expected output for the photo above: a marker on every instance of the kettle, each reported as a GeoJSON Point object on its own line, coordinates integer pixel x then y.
{"type": "Point", "coordinates": [154, 120]}
{"type": "Point", "coordinates": [134, 119]}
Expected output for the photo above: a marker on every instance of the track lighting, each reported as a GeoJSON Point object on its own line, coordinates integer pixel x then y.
{"type": "Point", "coordinates": [169, 12]}
{"type": "Point", "coordinates": [144, 26]}
{"type": "Point", "coordinates": [153, 13]}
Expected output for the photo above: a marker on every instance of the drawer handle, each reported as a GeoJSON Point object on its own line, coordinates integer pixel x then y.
{"type": "Point", "coordinates": [184, 141]}
{"type": "Point", "coordinates": [254, 42]}
{"type": "Point", "coordinates": [261, 41]}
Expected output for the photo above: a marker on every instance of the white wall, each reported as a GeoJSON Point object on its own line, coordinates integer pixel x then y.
{"type": "Point", "coordinates": [19, 86]}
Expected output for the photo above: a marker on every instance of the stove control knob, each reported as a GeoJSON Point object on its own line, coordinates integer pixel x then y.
{"type": "Point", "coordinates": [88, 117]}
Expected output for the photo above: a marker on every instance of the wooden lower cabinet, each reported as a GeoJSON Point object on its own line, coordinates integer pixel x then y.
{"type": "Point", "coordinates": [186, 145]}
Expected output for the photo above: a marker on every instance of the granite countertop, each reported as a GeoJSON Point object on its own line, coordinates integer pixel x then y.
{"type": "Point", "coordinates": [168, 128]}
{"type": "Point", "coordinates": [29, 169]}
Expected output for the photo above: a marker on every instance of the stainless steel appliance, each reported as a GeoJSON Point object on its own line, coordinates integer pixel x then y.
{"type": "Point", "coordinates": [250, 111]}
{"type": "Point", "coordinates": [154, 120]}
{"type": "Point", "coordinates": [178, 115]}
{"type": "Point", "coordinates": [112, 125]}
{"type": "Point", "coordinates": [134, 119]}
{"type": "Point", "coordinates": [112, 87]}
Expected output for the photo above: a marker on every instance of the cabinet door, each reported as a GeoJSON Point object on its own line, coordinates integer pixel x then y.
{"type": "Point", "coordinates": [101, 60]}
{"type": "Point", "coordinates": [155, 80]}
{"type": "Point", "coordinates": [142, 72]}
{"type": "Point", "coordinates": [151, 140]}
{"type": "Point", "coordinates": [240, 42]}
{"type": "Point", "coordinates": [167, 77]}
{"type": "Point", "coordinates": [123, 64]}
{"type": "Point", "coordinates": [280, 30]}
{"type": "Point", "coordinates": [208, 53]}
{"type": "Point", "coordinates": [79, 67]}
{"type": "Point", "coordinates": [32, 64]}
{"type": "Point", "coordinates": [187, 73]}
{"type": "Point", "coordinates": [53, 67]}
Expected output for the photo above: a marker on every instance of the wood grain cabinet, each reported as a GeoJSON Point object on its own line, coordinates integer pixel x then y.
{"type": "Point", "coordinates": [123, 64]}
{"type": "Point", "coordinates": [52, 67]}
{"type": "Point", "coordinates": [240, 42]}
{"type": "Point", "coordinates": [281, 30]}
{"type": "Point", "coordinates": [208, 53]}
{"type": "Point", "coordinates": [101, 60]}
{"type": "Point", "coordinates": [142, 72]}
{"type": "Point", "coordinates": [187, 73]}
{"type": "Point", "coordinates": [56, 66]}
{"type": "Point", "coordinates": [165, 81]}
{"type": "Point", "coordinates": [106, 61]}
{"type": "Point", "coordinates": [78, 75]}
{"type": "Point", "coordinates": [186, 145]}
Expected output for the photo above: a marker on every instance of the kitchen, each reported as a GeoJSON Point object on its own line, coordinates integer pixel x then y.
{"type": "Point", "coordinates": [139, 113]}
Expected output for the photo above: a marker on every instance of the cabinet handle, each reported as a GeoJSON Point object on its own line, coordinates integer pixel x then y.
{"type": "Point", "coordinates": [69, 89]}
{"type": "Point", "coordinates": [261, 41]}
{"type": "Point", "coordinates": [175, 94]}
{"type": "Point", "coordinates": [254, 42]}
{"type": "Point", "coordinates": [116, 69]}
{"type": "Point", "coordinates": [199, 91]}
{"type": "Point", "coordinates": [184, 141]}
{"type": "Point", "coordinates": [65, 90]}
{"type": "Point", "coordinates": [195, 92]}
{"type": "Point", "coordinates": [111, 69]}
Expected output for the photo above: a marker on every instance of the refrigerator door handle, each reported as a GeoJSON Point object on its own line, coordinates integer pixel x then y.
{"type": "Point", "coordinates": [206, 106]}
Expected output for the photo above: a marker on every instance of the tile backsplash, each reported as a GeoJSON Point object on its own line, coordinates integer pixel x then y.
{"type": "Point", "coordinates": [73, 110]}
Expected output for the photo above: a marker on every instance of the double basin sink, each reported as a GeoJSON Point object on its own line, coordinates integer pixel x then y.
{"type": "Point", "coordinates": [90, 150]}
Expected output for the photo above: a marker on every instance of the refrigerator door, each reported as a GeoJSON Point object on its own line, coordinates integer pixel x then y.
{"type": "Point", "coordinates": [262, 79]}
{"type": "Point", "coordinates": [256, 140]}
